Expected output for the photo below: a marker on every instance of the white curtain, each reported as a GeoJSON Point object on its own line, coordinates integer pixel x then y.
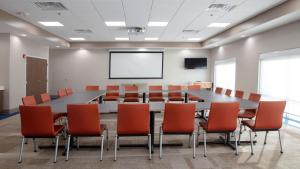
{"type": "Point", "coordinates": [225, 74]}
{"type": "Point", "coordinates": [280, 79]}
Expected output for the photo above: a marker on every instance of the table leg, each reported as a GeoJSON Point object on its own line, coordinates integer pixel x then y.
{"type": "Point", "coordinates": [185, 97]}
{"type": "Point", "coordinates": [144, 97]}
{"type": "Point", "coordinates": [152, 127]}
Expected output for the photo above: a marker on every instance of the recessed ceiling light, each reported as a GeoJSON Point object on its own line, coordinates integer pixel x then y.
{"type": "Point", "coordinates": [121, 38]}
{"type": "Point", "coordinates": [115, 23]}
{"type": "Point", "coordinates": [51, 23]}
{"type": "Point", "coordinates": [158, 24]}
{"type": "Point", "coordinates": [57, 46]}
{"type": "Point", "coordinates": [194, 39]}
{"type": "Point", "coordinates": [218, 25]}
{"type": "Point", "coordinates": [151, 38]}
{"type": "Point", "coordinates": [77, 39]}
{"type": "Point", "coordinates": [243, 36]}
{"type": "Point", "coordinates": [23, 35]}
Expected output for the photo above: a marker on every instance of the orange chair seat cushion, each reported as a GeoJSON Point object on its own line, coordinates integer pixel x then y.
{"type": "Point", "coordinates": [111, 98]}
{"type": "Point", "coordinates": [156, 99]}
{"type": "Point", "coordinates": [91, 133]}
{"type": "Point", "coordinates": [176, 99]}
{"type": "Point", "coordinates": [195, 98]}
{"type": "Point", "coordinates": [131, 99]}
{"type": "Point", "coordinates": [58, 129]}
{"type": "Point", "coordinates": [249, 114]}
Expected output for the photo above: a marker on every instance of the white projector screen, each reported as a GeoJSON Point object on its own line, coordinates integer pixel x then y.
{"type": "Point", "coordinates": [136, 65]}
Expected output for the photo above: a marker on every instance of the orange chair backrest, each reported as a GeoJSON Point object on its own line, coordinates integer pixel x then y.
{"type": "Point", "coordinates": [131, 88]}
{"type": "Point", "coordinates": [218, 90]}
{"type": "Point", "coordinates": [29, 101]}
{"type": "Point", "coordinates": [112, 90]}
{"type": "Point", "coordinates": [132, 91]}
{"type": "Point", "coordinates": [92, 88]}
{"type": "Point", "coordinates": [61, 93]}
{"type": "Point", "coordinates": [83, 119]}
{"type": "Point", "coordinates": [45, 97]}
{"type": "Point", "coordinates": [228, 92]}
{"type": "Point", "coordinates": [133, 119]}
{"type": "Point", "coordinates": [174, 91]}
{"type": "Point", "coordinates": [223, 116]}
{"type": "Point", "coordinates": [36, 121]}
{"type": "Point", "coordinates": [254, 97]}
{"type": "Point", "coordinates": [194, 87]}
{"type": "Point", "coordinates": [239, 94]}
{"type": "Point", "coordinates": [155, 91]}
{"type": "Point", "coordinates": [179, 118]}
{"type": "Point", "coordinates": [69, 91]}
{"type": "Point", "coordinates": [269, 115]}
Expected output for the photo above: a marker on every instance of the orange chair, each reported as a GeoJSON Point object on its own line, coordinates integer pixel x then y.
{"type": "Point", "coordinates": [178, 119]}
{"type": "Point", "coordinates": [61, 93]}
{"type": "Point", "coordinates": [155, 94]}
{"type": "Point", "coordinates": [112, 93]}
{"type": "Point", "coordinates": [194, 88]}
{"type": "Point", "coordinates": [222, 119]}
{"type": "Point", "coordinates": [92, 88]}
{"type": "Point", "coordinates": [174, 93]}
{"type": "Point", "coordinates": [133, 120]}
{"type": "Point", "coordinates": [268, 118]}
{"type": "Point", "coordinates": [131, 94]}
{"type": "Point", "coordinates": [250, 113]}
{"type": "Point", "coordinates": [228, 92]}
{"type": "Point", "coordinates": [28, 101]}
{"type": "Point", "coordinates": [45, 97]}
{"type": "Point", "coordinates": [84, 121]}
{"type": "Point", "coordinates": [219, 90]}
{"type": "Point", "coordinates": [69, 91]}
{"type": "Point", "coordinates": [239, 94]}
{"type": "Point", "coordinates": [37, 122]}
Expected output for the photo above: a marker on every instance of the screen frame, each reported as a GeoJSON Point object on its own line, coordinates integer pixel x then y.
{"type": "Point", "coordinates": [162, 65]}
{"type": "Point", "coordinates": [188, 68]}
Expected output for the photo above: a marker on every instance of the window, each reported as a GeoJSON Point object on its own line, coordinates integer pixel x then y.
{"type": "Point", "coordinates": [279, 78]}
{"type": "Point", "coordinates": [225, 73]}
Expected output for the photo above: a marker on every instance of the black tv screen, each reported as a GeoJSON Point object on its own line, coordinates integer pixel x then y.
{"type": "Point", "coordinates": [195, 63]}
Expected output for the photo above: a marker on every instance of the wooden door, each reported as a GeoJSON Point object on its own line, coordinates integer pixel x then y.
{"type": "Point", "coordinates": [36, 77]}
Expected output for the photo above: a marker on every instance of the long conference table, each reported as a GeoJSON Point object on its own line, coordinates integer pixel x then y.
{"type": "Point", "coordinates": [60, 104]}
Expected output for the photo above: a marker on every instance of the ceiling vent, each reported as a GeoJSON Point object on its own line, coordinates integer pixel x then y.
{"type": "Point", "coordinates": [190, 31]}
{"type": "Point", "coordinates": [50, 6]}
{"type": "Point", "coordinates": [220, 7]}
{"type": "Point", "coordinates": [136, 30]}
{"type": "Point", "coordinates": [83, 31]}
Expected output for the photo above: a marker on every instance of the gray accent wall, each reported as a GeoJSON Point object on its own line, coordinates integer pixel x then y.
{"type": "Point", "coordinates": [77, 68]}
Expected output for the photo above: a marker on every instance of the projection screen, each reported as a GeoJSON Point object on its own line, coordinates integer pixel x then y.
{"type": "Point", "coordinates": [135, 65]}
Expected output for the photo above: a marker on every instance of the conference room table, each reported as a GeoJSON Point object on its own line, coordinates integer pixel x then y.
{"type": "Point", "coordinates": [207, 97]}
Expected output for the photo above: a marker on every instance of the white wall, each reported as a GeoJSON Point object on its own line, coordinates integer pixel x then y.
{"type": "Point", "coordinates": [4, 66]}
{"type": "Point", "coordinates": [17, 69]}
{"type": "Point", "coordinates": [78, 67]}
{"type": "Point", "coordinates": [247, 52]}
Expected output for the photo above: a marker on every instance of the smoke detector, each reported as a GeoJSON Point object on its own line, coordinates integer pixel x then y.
{"type": "Point", "coordinates": [136, 30]}
{"type": "Point", "coordinates": [220, 7]}
{"type": "Point", "coordinates": [50, 6]}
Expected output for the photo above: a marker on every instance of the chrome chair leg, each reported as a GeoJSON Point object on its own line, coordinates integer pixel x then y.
{"type": "Point", "coordinates": [107, 141]}
{"type": "Point", "coordinates": [116, 146]}
{"type": "Point", "coordinates": [160, 142]}
{"type": "Point", "coordinates": [236, 145]}
{"type": "Point", "coordinates": [281, 151]}
{"type": "Point", "coordinates": [204, 140]}
{"type": "Point", "coordinates": [265, 142]}
{"type": "Point", "coordinates": [240, 133]}
{"type": "Point", "coordinates": [21, 150]}
{"type": "Point", "coordinates": [68, 147]}
{"type": "Point", "coordinates": [34, 145]}
{"type": "Point", "coordinates": [56, 148]}
{"type": "Point", "coordinates": [101, 152]}
{"type": "Point", "coordinates": [251, 142]}
{"type": "Point", "coordinates": [149, 144]}
{"type": "Point", "coordinates": [194, 145]}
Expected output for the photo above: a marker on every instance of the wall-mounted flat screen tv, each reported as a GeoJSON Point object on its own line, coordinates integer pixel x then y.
{"type": "Point", "coordinates": [195, 63]}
